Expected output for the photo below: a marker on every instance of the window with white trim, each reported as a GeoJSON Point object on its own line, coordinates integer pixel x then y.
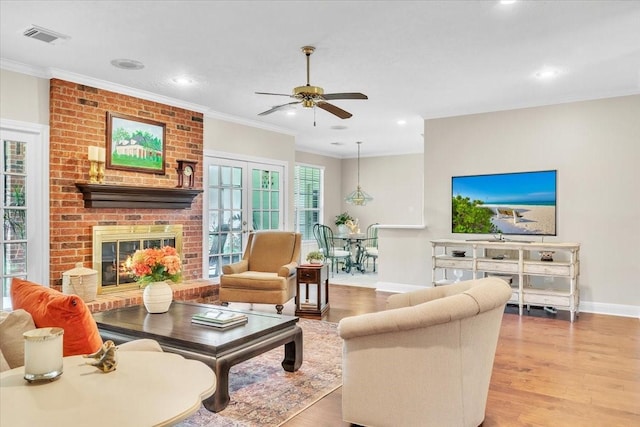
{"type": "Point", "coordinates": [308, 188]}
{"type": "Point", "coordinates": [24, 240]}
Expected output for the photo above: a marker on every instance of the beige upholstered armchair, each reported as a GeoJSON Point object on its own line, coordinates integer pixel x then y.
{"type": "Point", "coordinates": [267, 272]}
{"type": "Point", "coordinates": [427, 359]}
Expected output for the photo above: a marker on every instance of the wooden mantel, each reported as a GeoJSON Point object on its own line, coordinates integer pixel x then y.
{"type": "Point", "coordinates": [123, 196]}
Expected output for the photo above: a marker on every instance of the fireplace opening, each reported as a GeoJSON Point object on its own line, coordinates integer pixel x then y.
{"type": "Point", "coordinates": [113, 245]}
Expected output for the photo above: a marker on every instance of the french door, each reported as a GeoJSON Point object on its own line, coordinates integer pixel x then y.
{"type": "Point", "coordinates": [24, 240]}
{"type": "Point", "coordinates": [241, 197]}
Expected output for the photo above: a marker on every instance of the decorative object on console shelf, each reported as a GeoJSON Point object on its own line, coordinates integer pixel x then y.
{"type": "Point", "coordinates": [546, 255]}
{"type": "Point", "coordinates": [135, 144]}
{"type": "Point", "coordinates": [186, 170]}
{"type": "Point", "coordinates": [458, 254]}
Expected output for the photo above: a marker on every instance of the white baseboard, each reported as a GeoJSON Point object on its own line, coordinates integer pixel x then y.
{"type": "Point", "coordinates": [585, 306]}
{"type": "Point", "coordinates": [397, 287]}
{"type": "Point", "coordinates": [610, 309]}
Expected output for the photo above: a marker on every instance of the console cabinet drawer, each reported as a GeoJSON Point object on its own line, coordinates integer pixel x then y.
{"type": "Point", "coordinates": [506, 267]}
{"type": "Point", "coordinates": [547, 299]}
{"type": "Point", "coordinates": [454, 263]}
{"type": "Point", "coordinates": [547, 269]}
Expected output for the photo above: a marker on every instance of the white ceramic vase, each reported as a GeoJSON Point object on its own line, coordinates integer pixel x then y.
{"type": "Point", "coordinates": [157, 297]}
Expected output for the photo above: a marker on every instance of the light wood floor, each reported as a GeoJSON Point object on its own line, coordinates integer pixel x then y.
{"type": "Point", "coordinates": [547, 371]}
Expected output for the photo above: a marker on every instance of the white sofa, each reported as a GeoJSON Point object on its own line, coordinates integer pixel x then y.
{"type": "Point", "coordinates": [427, 359]}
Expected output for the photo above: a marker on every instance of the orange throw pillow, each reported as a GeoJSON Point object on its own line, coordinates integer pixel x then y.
{"type": "Point", "coordinates": [50, 308]}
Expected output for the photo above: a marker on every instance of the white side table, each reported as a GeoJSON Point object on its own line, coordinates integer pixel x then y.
{"type": "Point", "coordinates": [146, 389]}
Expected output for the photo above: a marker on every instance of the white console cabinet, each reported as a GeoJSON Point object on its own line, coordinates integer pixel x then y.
{"type": "Point", "coordinates": [549, 283]}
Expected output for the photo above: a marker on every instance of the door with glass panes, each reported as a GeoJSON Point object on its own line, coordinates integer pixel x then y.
{"type": "Point", "coordinates": [241, 197]}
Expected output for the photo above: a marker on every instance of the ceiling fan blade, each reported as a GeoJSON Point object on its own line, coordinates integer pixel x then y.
{"type": "Point", "coordinates": [269, 93]}
{"type": "Point", "coordinates": [334, 110]}
{"type": "Point", "coordinates": [278, 107]}
{"type": "Point", "coordinates": [349, 95]}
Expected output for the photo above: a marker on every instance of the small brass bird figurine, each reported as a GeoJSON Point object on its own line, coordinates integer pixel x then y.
{"type": "Point", "coordinates": [105, 357]}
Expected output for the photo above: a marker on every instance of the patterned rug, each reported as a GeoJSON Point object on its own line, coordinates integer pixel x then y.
{"type": "Point", "coordinates": [264, 394]}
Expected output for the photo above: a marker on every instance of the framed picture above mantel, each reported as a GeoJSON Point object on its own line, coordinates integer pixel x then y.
{"type": "Point", "coordinates": [135, 144]}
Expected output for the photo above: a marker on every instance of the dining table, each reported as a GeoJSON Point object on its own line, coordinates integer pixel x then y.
{"type": "Point", "coordinates": [353, 243]}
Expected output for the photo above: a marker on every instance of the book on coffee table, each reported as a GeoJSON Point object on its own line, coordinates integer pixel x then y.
{"type": "Point", "coordinates": [219, 318]}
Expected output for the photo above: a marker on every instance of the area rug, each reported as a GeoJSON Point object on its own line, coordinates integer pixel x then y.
{"type": "Point", "coordinates": [264, 394]}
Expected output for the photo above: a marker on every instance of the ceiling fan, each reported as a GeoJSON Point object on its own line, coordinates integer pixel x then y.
{"type": "Point", "coordinates": [314, 96]}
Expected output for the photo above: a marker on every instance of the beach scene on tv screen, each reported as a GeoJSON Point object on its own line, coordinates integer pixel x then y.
{"type": "Point", "coordinates": [510, 203]}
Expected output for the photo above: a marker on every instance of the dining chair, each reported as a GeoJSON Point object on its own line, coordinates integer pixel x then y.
{"type": "Point", "coordinates": [371, 245]}
{"type": "Point", "coordinates": [326, 245]}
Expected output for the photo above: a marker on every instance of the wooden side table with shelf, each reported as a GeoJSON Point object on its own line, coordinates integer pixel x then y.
{"type": "Point", "coordinates": [312, 274]}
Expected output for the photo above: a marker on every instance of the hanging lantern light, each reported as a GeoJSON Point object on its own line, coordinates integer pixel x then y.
{"type": "Point", "coordinates": [358, 197]}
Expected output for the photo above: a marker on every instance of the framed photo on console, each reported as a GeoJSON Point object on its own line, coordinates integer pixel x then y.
{"type": "Point", "coordinates": [135, 144]}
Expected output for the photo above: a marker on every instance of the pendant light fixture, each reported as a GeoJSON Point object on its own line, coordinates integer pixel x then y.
{"type": "Point", "coordinates": [359, 197]}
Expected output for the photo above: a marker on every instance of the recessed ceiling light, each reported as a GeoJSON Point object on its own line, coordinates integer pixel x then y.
{"type": "Point", "coordinates": [507, 1]}
{"type": "Point", "coordinates": [339, 127]}
{"type": "Point", "coordinates": [182, 80]}
{"type": "Point", "coordinates": [547, 73]}
{"type": "Point", "coordinates": [337, 143]}
{"type": "Point", "coordinates": [402, 122]}
{"type": "Point", "coordinates": [127, 64]}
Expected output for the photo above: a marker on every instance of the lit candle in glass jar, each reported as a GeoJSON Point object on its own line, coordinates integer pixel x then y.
{"type": "Point", "coordinates": [43, 354]}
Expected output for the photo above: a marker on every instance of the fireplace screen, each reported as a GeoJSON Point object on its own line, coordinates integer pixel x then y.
{"type": "Point", "coordinates": [114, 245]}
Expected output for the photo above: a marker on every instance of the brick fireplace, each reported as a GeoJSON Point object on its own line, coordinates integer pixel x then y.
{"type": "Point", "coordinates": [78, 119]}
{"type": "Point", "coordinates": [113, 245]}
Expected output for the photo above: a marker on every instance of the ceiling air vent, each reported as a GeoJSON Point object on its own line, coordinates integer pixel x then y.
{"type": "Point", "coordinates": [42, 34]}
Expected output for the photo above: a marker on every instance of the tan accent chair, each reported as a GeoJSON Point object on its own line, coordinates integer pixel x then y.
{"type": "Point", "coordinates": [427, 359]}
{"type": "Point", "coordinates": [267, 272]}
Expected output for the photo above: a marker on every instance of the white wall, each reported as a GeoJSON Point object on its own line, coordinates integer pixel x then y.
{"type": "Point", "coordinates": [394, 182]}
{"type": "Point", "coordinates": [594, 145]}
{"type": "Point", "coordinates": [227, 137]}
{"type": "Point", "coordinates": [24, 98]}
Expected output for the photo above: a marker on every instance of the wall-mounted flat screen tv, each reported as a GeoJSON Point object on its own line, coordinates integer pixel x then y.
{"type": "Point", "coordinates": [520, 203]}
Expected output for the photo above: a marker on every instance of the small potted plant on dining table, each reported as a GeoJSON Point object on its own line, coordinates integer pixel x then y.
{"type": "Point", "coordinates": [341, 222]}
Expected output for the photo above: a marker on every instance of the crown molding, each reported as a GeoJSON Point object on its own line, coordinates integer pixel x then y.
{"type": "Point", "coordinates": [49, 73]}
{"type": "Point", "coordinates": [18, 67]}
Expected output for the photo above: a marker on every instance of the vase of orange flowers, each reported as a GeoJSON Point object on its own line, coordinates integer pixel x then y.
{"type": "Point", "coordinates": [152, 268]}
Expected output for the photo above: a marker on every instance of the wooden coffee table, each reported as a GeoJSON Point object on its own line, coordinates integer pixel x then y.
{"type": "Point", "coordinates": [220, 350]}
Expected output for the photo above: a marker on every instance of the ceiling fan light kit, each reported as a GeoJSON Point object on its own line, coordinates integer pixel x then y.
{"type": "Point", "coordinates": [314, 96]}
{"type": "Point", "coordinates": [358, 197]}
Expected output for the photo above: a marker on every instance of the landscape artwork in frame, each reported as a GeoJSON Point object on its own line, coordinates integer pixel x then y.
{"type": "Point", "coordinates": [135, 144]}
